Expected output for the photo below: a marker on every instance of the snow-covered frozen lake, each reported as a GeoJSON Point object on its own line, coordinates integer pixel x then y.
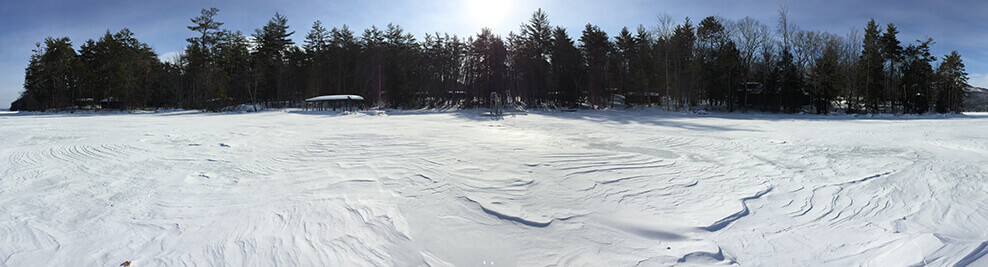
{"type": "Point", "coordinates": [597, 188]}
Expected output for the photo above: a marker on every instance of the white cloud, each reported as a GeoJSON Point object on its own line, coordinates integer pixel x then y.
{"type": "Point", "coordinates": [170, 56]}
{"type": "Point", "coordinates": [978, 80]}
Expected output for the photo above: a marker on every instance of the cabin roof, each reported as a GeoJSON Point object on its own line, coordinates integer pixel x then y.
{"type": "Point", "coordinates": [335, 98]}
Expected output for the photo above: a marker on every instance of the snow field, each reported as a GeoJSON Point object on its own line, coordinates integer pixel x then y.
{"type": "Point", "coordinates": [606, 188]}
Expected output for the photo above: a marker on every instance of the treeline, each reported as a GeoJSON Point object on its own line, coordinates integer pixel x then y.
{"type": "Point", "coordinates": [714, 64]}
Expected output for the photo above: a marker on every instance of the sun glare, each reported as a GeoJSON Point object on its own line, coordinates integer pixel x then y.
{"type": "Point", "coordinates": [488, 13]}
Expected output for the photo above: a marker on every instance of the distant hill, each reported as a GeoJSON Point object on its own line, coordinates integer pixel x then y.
{"type": "Point", "coordinates": [977, 99]}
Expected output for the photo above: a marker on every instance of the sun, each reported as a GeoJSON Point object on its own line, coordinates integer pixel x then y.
{"type": "Point", "coordinates": [488, 13]}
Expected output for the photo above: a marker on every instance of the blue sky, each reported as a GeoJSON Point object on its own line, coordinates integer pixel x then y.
{"type": "Point", "coordinates": [954, 24]}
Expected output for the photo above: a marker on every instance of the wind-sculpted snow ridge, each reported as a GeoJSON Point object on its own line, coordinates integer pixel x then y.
{"type": "Point", "coordinates": [976, 254]}
{"type": "Point", "coordinates": [612, 188]}
{"type": "Point", "coordinates": [720, 224]}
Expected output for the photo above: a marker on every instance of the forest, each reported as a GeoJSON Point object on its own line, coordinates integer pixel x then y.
{"type": "Point", "coordinates": [713, 64]}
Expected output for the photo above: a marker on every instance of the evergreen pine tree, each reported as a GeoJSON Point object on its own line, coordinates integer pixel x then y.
{"type": "Point", "coordinates": [825, 79]}
{"type": "Point", "coordinates": [892, 55]}
{"type": "Point", "coordinates": [270, 56]}
{"type": "Point", "coordinates": [917, 77]}
{"type": "Point", "coordinates": [872, 64]}
{"type": "Point", "coordinates": [684, 65]}
{"type": "Point", "coordinates": [595, 47]}
{"type": "Point", "coordinates": [952, 82]}
{"type": "Point", "coordinates": [566, 63]}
